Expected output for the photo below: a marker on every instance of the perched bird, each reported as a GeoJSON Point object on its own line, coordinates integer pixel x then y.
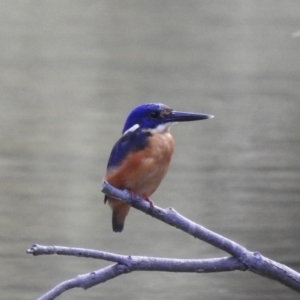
{"type": "Point", "coordinates": [141, 157]}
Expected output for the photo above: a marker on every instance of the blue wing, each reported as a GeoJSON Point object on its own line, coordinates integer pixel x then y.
{"type": "Point", "coordinates": [128, 143]}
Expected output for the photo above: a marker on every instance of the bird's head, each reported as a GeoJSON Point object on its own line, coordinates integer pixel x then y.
{"type": "Point", "coordinates": [158, 117]}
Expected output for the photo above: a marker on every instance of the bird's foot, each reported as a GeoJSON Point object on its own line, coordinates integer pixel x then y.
{"type": "Point", "coordinates": [151, 204]}
{"type": "Point", "coordinates": [135, 197]}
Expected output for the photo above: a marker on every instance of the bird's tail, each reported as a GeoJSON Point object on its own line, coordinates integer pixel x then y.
{"type": "Point", "coordinates": [120, 211]}
{"type": "Point", "coordinates": [117, 222]}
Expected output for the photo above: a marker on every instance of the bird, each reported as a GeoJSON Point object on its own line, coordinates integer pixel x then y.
{"type": "Point", "coordinates": [141, 157]}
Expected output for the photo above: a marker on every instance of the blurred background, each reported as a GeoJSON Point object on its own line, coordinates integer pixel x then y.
{"type": "Point", "coordinates": [71, 71]}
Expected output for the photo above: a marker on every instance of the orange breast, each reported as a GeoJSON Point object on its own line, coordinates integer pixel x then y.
{"type": "Point", "coordinates": [142, 171]}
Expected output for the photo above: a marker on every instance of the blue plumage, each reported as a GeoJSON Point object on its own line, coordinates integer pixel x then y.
{"type": "Point", "coordinates": [130, 142]}
{"type": "Point", "coordinates": [146, 115]}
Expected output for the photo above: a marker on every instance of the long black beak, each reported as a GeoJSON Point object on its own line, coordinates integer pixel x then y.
{"type": "Point", "coordinates": [178, 116]}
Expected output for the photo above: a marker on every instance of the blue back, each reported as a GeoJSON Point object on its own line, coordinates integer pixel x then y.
{"type": "Point", "coordinates": [130, 142]}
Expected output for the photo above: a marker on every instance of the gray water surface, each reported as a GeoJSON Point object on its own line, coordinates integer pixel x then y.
{"type": "Point", "coordinates": [71, 71]}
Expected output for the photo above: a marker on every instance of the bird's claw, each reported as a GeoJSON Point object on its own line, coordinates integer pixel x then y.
{"type": "Point", "coordinates": [151, 204]}
{"type": "Point", "coordinates": [135, 197]}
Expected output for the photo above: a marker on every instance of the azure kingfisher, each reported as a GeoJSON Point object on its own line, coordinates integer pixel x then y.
{"type": "Point", "coordinates": [141, 157]}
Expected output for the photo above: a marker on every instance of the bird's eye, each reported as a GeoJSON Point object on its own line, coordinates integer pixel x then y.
{"type": "Point", "coordinates": [154, 114]}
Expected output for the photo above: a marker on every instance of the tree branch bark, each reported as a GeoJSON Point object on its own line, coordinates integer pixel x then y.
{"type": "Point", "coordinates": [254, 261]}
{"type": "Point", "coordinates": [241, 258]}
{"type": "Point", "coordinates": [126, 264]}
{"type": "Point", "coordinates": [146, 263]}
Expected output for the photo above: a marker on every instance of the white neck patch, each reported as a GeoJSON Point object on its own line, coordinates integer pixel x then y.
{"type": "Point", "coordinates": [132, 129]}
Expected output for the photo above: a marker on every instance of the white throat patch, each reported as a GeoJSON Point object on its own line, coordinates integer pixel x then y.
{"type": "Point", "coordinates": [161, 128]}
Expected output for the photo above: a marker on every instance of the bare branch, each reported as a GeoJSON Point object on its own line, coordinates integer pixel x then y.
{"type": "Point", "coordinates": [242, 259]}
{"type": "Point", "coordinates": [254, 261]}
{"type": "Point", "coordinates": [127, 264]}
{"type": "Point", "coordinates": [173, 218]}
{"type": "Point", "coordinates": [146, 263]}
{"type": "Point", "coordinates": [86, 281]}
{"type": "Point", "coordinates": [36, 250]}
